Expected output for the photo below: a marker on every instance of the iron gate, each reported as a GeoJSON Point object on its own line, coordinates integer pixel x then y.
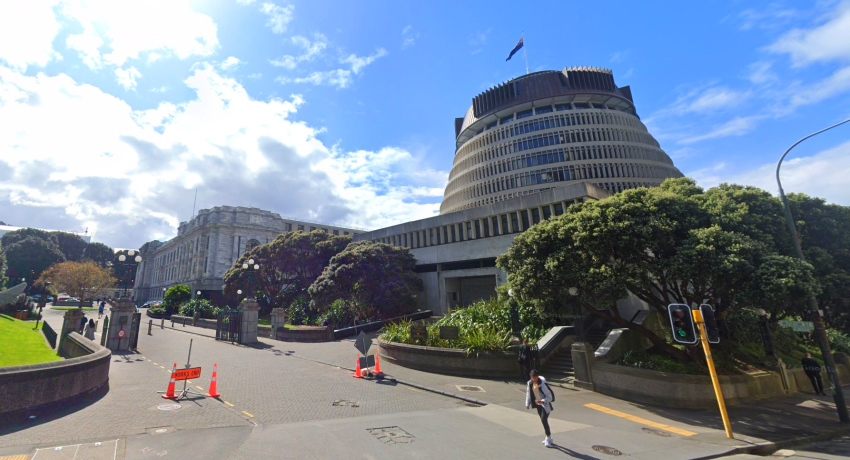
{"type": "Point", "coordinates": [229, 326]}
{"type": "Point", "coordinates": [134, 330]}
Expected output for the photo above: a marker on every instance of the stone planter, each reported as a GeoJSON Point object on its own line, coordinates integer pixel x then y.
{"type": "Point", "coordinates": [450, 361]}
{"type": "Point", "coordinates": [310, 334]}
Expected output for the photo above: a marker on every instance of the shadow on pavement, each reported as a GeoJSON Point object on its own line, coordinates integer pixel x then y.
{"type": "Point", "coordinates": [21, 420]}
{"type": "Point", "coordinates": [573, 453]}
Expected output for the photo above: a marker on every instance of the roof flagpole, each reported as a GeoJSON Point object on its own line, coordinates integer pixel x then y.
{"type": "Point", "coordinates": [525, 51]}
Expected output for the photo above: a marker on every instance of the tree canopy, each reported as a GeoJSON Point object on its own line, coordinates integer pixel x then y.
{"type": "Point", "coordinates": [83, 280]}
{"type": "Point", "coordinates": [30, 256]}
{"type": "Point", "coordinates": [175, 296]}
{"type": "Point", "coordinates": [100, 254]}
{"type": "Point", "coordinates": [375, 279]}
{"type": "Point", "coordinates": [669, 244]}
{"type": "Point", "coordinates": [288, 266]}
{"type": "Point", "coordinates": [72, 246]}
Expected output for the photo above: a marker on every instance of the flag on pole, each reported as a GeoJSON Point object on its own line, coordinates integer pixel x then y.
{"type": "Point", "coordinates": [516, 48]}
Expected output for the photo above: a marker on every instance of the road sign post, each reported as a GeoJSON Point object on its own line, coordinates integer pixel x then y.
{"type": "Point", "coordinates": [715, 382]}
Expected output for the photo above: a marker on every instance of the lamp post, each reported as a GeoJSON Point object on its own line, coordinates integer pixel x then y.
{"type": "Point", "coordinates": [578, 320]}
{"type": "Point", "coordinates": [41, 302]}
{"type": "Point", "coordinates": [131, 267]}
{"type": "Point", "coordinates": [515, 325]}
{"type": "Point", "coordinates": [252, 267]}
{"type": "Point", "coordinates": [820, 332]}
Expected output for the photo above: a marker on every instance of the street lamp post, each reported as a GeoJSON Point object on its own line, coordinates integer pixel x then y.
{"type": "Point", "coordinates": [820, 332]}
{"type": "Point", "coordinates": [131, 267]}
{"type": "Point", "coordinates": [253, 267]}
{"type": "Point", "coordinates": [765, 332]}
{"type": "Point", "coordinates": [41, 302]}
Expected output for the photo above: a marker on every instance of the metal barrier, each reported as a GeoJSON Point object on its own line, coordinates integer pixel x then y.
{"type": "Point", "coordinates": [49, 334]}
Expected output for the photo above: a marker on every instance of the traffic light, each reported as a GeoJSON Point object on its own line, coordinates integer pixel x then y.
{"type": "Point", "coordinates": [710, 323]}
{"type": "Point", "coordinates": [682, 322]}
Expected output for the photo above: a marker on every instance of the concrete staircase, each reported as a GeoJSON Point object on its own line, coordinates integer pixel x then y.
{"type": "Point", "coordinates": [559, 368]}
{"type": "Point", "coordinates": [596, 335]}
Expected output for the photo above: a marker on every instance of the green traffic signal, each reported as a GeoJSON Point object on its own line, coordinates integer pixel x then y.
{"type": "Point", "coordinates": [682, 324]}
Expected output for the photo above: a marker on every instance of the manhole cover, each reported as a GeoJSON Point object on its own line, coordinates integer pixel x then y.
{"type": "Point", "coordinates": [161, 430]}
{"type": "Point", "coordinates": [391, 435]}
{"type": "Point", "coordinates": [169, 407]}
{"type": "Point", "coordinates": [607, 450]}
{"type": "Point", "coordinates": [656, 432]}
{"type": "Point", "coordinates": [344, 403]}
{"type": "Point", "coordinates": [470, 388]}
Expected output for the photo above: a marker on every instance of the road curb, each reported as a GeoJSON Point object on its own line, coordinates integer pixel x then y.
{"type": "Point", "coordinates": [769, 447]}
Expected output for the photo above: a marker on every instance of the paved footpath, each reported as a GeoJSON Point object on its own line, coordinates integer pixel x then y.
{"type": "Point", "coordinates": [287, 400]}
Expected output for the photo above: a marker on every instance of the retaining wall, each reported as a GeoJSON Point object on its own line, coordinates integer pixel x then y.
{"type": "Point", "coordinates": [84, 373]}
{"type": "Point", "coordinates": [310, 334]}
{"type": "Point", "coordinates": [450, 360]}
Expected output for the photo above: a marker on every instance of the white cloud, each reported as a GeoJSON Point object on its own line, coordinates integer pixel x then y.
{"type": "Point", "coordinates": [738, 126]}
{"type": "Point", "coordinates": [279, 16]}
{"type": "Point", "coordinates": [74, 156]}
{"type": "Point", "coordinates": [761, 72]}
{"type": "Point", "coordinates": [836, 83]}
{"type": "Point", "coordinates": [408, 37]}
{"type": "Point", "coordinates": [826, 42]}
{"type": "Point", "coordinates": [341, 78]}
{"type": "Point", "coordinates": [358, 63]}
{"type": "Point", "coordinates": [771, 16]}
{"type": "Point", "coordinates": [27, 30]}
{"type": "Point", "coordinates": [127, 78]}
{"type": "Point", "coordinates": [311, 50]}
{"type": "Point", "coordinates": [130, 30]}
{"type": "Point", "coordinates": [478, 40]}
{"type": "Point", "coordinates": [823, 174]}
{"type": "Point", "coordinates": [619, 56]}
{"type": "Point", "coordinates": [245, 2]}
{"type": "Point", "coordinates": [230, 63]}
{"type": "Point", "coordinates": [255, 76]}
{"type": "Point", "coordinates": [713, 99]}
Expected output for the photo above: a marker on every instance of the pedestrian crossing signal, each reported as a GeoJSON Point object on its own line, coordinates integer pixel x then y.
{"type": "Point", "coordinates": [711, 330]}
{"type": "Point", "coordinates": [682, 322]}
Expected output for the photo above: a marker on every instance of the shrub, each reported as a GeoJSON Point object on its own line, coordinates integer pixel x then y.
{"type": "Point", "coordinates": [341, 314]}
{"type": "Point", "coordinates": [158, 311]}
{"type": "Point", "coordinates": [486, 339]}
{"type": "Point", "coordinates": [176, 296]}
{"type": "Point", "coordinates": [202, 307]}
{"type": "Point", "coordinates": [496, 314]}
{"type": "Point", "coordinates": [300, 313]}
{"type": "Point", "coordinates": [397, 332]}
{"type": "Point", "coordinates": [839, 341]}
{"type": "Point", "coordinates": [656, 362]}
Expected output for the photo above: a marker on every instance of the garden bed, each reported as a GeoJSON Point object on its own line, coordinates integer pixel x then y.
{"type": "Point", "coordinates": [451, 361]}
{"type": "Point", "coordinates": [309, 334]}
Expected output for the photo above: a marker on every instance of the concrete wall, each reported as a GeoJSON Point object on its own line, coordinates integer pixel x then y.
{"type": "Point", "coordinates": [309, 334]}
{"type": "Point", "coordinates": [84, 373]}
{"type": "Point", "coordinates": [450, 361]}
{"type": "Point", "coordinates": [695, 391]}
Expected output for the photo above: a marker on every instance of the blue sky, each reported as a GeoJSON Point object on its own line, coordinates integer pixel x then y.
{"type": "Point", "coordinates": [342, 112]}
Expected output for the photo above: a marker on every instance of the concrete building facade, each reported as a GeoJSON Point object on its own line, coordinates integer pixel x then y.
{"type": "Point", "coordinates": [207, 246]}
{"type": "Point", "coordinates": [549, 128]}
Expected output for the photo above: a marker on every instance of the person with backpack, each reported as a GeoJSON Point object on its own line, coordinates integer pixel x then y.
{"type": "Point", "coordinates": [524, 359]}
{"type": "Point", "coordinates": [540, 396]}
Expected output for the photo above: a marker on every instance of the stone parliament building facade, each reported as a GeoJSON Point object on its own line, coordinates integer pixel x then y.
{"type": "Point", "coordinates": [207, 246]}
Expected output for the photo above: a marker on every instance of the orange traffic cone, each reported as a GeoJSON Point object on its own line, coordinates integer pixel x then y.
{"type": "Point", "coordinates": [357, 369]}
{"type": "Point", "coordinates": [213, 393]}
{"type": "Point", "coordinates": [170, 393]}
{"type": "Point", "coordinates": [377, 365]}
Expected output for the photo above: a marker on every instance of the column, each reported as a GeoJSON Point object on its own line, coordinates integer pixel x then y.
{"type": "Point", "coordinates": [583, 356]}
{"type": "Point", "coordinates": [120, 318]}
{"type": "Point", "coordinates": [70, 324]}
{"type": "Point", "coordinates": [250, 316]}
{"type": "Point", "coordinates": [278, 320]}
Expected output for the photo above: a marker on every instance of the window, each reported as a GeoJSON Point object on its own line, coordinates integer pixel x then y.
{"type": "Point", "coordinates": [345, 233]}
{"type": "Point", "coordinates": [560, 107]}
{"type": "Point", "coordinates": [454, 234]}
{"type": "Point", "coordinates": [547, 212]}
{"type": "Point", "coordinates": [301, 228]}
{"type": "Point", "coordinates": [524, 213]}
{"type": "Point", "coordinates": [312, 228]}
{"type": "Point", "coordinates": [288, 227]}
{"type": "Point", "coordinates": [535, 215]}
{"type": "Point", "coordinates": [506, 120]}
{"type": "Point", "coordinates": [515, 222]}
{"type": "Point", "coordinates": [495, 221]}
{"type": "Point", "coordinates": [524, 114]}
{"type": "Point", "coordinates": [336, 232]}
{"type": "Point", "coordinates": [478, 228]}
{"type": "Point", "coordinates": [491, 125]}
{"type": "Point", "coordinates": [582, 105]}
{"type": "Point", "coordinates": [541, 110]}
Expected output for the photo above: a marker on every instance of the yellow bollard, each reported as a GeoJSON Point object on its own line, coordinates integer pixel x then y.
{"type": "Point", "coordinates": [703, 337]}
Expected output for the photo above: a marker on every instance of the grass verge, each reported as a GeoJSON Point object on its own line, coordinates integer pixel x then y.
{"type": "Point", "coordinates": [21, 344]}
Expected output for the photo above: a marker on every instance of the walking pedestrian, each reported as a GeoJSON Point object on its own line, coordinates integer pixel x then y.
{"type": "Point", "coordinates": [812, 369]}
{"type": "Point", "coordinates": [83, 322]}
{"type": "Point", "coordinates": [524, 359]}
{"type": "Point", "coordinates": [90, 329]}
{"type": "Point", "coordinates": [540, 396]}
{"type": "Point", "coordinates": [100, 309]}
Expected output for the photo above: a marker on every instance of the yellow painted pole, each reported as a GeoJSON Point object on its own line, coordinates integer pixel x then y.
{"type": "Point", "coordinates": [703, 337]}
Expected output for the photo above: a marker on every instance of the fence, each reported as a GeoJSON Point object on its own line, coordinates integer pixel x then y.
{"type": "Point", "coordinates": [49, 334]}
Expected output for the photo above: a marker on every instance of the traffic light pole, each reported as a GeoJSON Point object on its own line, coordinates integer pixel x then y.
{"type": "Point", "coordinates": [715, 382]}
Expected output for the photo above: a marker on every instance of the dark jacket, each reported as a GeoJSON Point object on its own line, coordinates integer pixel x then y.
{"type": "Point", "coordinates": [810, 366]}
{"type": "Point", "coordinates": [524, 356]}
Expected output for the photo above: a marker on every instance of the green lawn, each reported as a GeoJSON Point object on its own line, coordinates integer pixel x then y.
{"type": "Point", "coordinates": [266, 322]}
{"type": "Point", "coordinates": [21, 344]}
{"type": "Point", "coordinates": [74, 308]}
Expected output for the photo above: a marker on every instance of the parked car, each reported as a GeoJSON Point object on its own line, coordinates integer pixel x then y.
{"type": "Point", "coordinates": [36, 297]}
{"type": "Point", "coordinates": [50, 299]}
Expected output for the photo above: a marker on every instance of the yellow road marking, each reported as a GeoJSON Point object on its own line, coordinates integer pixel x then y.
{"type": "Point", "coordinates": [231, 405]}
{"type": "Point", "coordinates": [414, 389]}
{"type": "Point", "coordinates": [189, 381]}
{"type": "Point", "coordinates": [155, 364]}
{"type": "Point", "coordinates": [162, 367]}
{"type": "Point", "coordinates": [16, 457]}
{"type": "Point", "coordinates": [248, 414]}
{"type": "Point", "coordinates": [200, 388]}
{"type": "Point", "coordinates": [642, 421]}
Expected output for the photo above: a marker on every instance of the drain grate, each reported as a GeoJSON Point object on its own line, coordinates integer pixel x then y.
{"type": "Point", "coordinates": [169, 407]}
{"type": "Point", "coordinates": [607, 450]}
{"type": "Point", "coordinates": [346, 403]}
{"type": "Point", "coordinates": [391, 435]}
{"type": "Point", "coordinates": [470, 388]}
{"type": "Point", "coordinates": [656, 432]}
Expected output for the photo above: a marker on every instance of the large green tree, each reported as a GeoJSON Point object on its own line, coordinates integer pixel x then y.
{"type": "Point", "coordinates": [288, 266]}
{"type": "Point", "coordinates": [72, 246]}
{"type": "Point", "coordinates": [668, 244]}
{"type": "Point", "coordinates": [375, 279]}
{"type": "Point", "coordinates": [100, 254]}
{"type": "Point", "coordinates": [19, 235]}
{"type": "Point", "coordinates": [29, 257]}
{"type": "Point", "coordinates": [175, 296]}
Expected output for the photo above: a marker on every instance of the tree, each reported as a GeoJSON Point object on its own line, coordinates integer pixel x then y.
{"type": "Point", "coordinates": [72, 246]}
{"type": "Point", "coordinates": [28, 257]}
{"type": "Point", "coordinates": [668, 244]}
{"type": "Point", "coordinates": [175, 296]}
{"type": "Point", "coordinates": [288, 266]}
{"type": "Point", "coordinates": [100, 254]}
{"type": "Point", "coordinates": [3, 278]}
{"type": "Point", "coordinates": [83, 280]}
{"type": "Point", "coordinates": [375, 279]}
{"type": "Point", "coordinates": [19, 235]}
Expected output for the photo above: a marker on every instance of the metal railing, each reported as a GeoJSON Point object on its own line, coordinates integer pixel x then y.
{"type": "Point", "coordinates": [49, 334]}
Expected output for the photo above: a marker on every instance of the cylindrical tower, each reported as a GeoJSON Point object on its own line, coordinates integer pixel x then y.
{"type": "Point", "coordinates": [548, 129]}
